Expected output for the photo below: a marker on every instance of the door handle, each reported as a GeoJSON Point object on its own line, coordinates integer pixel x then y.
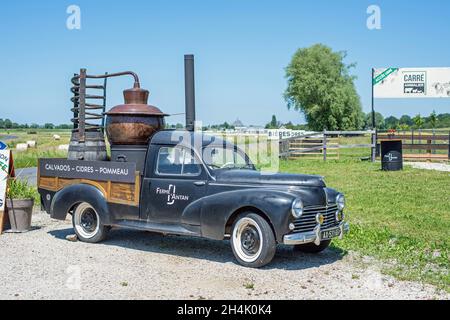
{"type": "Point", "coordinates": [199, 183]}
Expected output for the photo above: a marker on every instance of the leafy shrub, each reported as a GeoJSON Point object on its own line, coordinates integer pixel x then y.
{"type": "Point", "coordinates": [22, 190]}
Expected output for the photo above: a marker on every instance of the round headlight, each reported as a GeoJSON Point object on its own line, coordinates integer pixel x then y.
{"type": "Point", "coordinates": [340, 201]}
{"type": "Point", "coordinates": [297, 208]}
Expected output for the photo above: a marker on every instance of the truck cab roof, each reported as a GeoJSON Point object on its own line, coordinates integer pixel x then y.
{"type": "Point", "coordinates": [196, 140]}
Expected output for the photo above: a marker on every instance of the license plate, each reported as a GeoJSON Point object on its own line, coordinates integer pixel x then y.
{"type": "Point", "coordinates": [328, 234]}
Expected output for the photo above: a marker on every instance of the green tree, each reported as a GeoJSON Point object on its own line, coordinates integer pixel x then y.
{"type": "Point", "coordinates": [320, 86]}
{"type": "Point", "coordinates": [418, 121]}
{"type": "Point", "coordinates": [273, 124]}
{"type": "Point", "coordinates": [433, 119]}
{"type": "Point", "coordinates": [405, 119]}
{"type": "Point", "coordinates": [391, 122]}
{"type": "Point", "coordinates": [379, 121]}
{"type": "Point", "coordinates": [8, 124]}
{"type": "Point", "coordinates": [49, 126]}
{"type": "Point", "coordinates": [403, 127]}
{"type": "Point", "coordinates": [64, 126]}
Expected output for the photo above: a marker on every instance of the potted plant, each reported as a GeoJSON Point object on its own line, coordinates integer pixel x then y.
{"type": "Point", "coordinates": [20, 202]}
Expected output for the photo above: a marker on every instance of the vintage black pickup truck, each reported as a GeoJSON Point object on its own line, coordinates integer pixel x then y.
{"type": "Point", "coordinates": [192, 184]}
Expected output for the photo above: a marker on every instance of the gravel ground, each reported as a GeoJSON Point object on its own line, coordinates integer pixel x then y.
{"type": "Point", "coordinates": [42, 264]}
{"type": "Point", "coordinates": [430, 166]}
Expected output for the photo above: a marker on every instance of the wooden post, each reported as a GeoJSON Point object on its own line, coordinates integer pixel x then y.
{"type": "Point", "coordinates": [429, 149]}
{"type": "Point", "coordinates": [7, 171]}
{"type": "Point", "coordinates": [449, 145]}
{"type": "Point", "coordinates": [374, 145]}
{"type": "Point", "coordinates": [324, 146]}
{"type": "Point", "coordinates": [434, 140]}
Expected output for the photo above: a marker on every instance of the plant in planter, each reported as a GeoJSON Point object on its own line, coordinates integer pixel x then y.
{"type": "Point", "coordinates": [20, 201]}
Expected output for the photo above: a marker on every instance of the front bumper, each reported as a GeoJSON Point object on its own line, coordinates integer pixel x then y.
{"type": "Point", "coordinates": [313, 236]}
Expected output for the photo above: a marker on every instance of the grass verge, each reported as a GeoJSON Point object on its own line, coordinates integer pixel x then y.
{"type": "Point", "coordinates": [402, 218]}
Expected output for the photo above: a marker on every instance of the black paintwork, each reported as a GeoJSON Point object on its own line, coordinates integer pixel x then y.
{"type": "Point", "coordinates": [206, 203]}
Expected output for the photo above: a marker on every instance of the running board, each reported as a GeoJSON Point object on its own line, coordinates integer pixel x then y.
{"type": "Point", "coordinates": [165, 228]}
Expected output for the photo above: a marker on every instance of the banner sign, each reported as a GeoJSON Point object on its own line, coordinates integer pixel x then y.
{"type": "Point", "coordinates": [411, 83]}
{"type": "Point", "coordinates": [4, 174]}
{"type": "Point", "coordinates": [94, 170]}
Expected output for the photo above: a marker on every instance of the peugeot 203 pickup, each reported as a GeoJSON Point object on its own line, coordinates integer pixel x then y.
{"type": "Point", "coordinates": [191, 184]}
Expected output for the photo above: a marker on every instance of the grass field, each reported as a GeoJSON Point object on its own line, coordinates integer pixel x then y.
{"type": "Point", "coordinates": [47, 147]}
{"type": "Point", "coordinates": [402, 217]}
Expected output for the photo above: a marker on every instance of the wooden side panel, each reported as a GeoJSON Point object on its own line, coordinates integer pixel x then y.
{"type": "Point", "coordinates": [114, 192]}
{"type": "Point", "coordinates": [48, 183]}
{"type": "Point", "coordinates": [121, 191]}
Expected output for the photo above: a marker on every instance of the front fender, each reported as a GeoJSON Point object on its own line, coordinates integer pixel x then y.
{"type": "Point", "coordinates": [66, 198]}
{"type": "Point", "coordinates": [217, 209]}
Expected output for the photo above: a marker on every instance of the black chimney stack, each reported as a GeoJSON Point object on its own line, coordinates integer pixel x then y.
{"type": "Point", "coordinates": [189, 91]}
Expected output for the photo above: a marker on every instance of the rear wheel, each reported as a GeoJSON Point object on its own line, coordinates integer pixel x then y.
{"type": "Point", "coordinates": [87, 224]}
{"type": "Point", "coordinates": [312, 247]}
{"type": "Point", "coordinates": [252, 240]}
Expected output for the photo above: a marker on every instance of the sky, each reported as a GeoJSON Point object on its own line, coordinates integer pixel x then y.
{"type": "Point", "coordinates": [241, 49]}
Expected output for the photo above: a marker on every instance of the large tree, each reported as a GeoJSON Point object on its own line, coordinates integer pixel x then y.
{"type": "Point", "coordinates": [379, 121]}
{"type": "Point", "coordinates": [391, 122]}
{"type": "Point", "coordinates": [405, 119]}
{"type": "Point", "coordinates": [320, 86]}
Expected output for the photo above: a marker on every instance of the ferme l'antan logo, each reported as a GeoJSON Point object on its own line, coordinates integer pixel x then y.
{"type": "Point", "coordinates": [172, 196]}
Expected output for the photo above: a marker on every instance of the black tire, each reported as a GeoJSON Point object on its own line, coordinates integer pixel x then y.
{"type": "Point", "coordinates": [87, 224]}
{"type": "Point", "coordinates": [312, 247]}
{"type": "Point", "coordinates": [252, 240]}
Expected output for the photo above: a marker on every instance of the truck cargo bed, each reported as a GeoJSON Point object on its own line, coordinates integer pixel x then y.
{"type": "Point", "coordinates": [118, 181]}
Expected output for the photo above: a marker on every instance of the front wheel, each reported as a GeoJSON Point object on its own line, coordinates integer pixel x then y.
{"type": "Point", "coordinates": [252, 241]}
{"type": "Point", "coordinates": [312, 247]}
{"type": "Point", "coordinates": [87, 224]}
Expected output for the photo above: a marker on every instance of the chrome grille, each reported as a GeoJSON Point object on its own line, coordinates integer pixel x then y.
{"type": "Point", "coordinates": [307, 221]}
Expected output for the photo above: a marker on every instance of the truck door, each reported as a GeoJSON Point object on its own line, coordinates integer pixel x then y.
{"type": "Point", "coordinates": [176, 179]}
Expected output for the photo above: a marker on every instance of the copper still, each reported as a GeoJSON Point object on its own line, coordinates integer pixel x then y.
{"type": "Point", "coordinates": [134, 122]}
{"type": "Point", "coordinates": [128, 126]}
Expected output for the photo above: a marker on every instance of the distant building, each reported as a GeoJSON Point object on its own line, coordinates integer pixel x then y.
{"type": "Point", "coordinates": [238, 125]}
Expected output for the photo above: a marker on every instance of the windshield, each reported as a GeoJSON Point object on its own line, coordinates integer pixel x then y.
{"type": "Point", "coordinates": [218, 157]}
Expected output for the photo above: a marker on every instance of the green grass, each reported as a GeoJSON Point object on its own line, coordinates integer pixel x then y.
{"type": "Point", "coordinates": [22, 190]}
{"type": "Point", "coordinates": [47, 147]}
{"type": "Point", "coordinates": [402, 218]}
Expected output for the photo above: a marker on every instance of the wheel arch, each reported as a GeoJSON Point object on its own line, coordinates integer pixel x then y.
{"type": "Point", "coordinates": [69, 197]}
{"type": "Point", "coordinates": [249, 209]}
{"type": "Point", "coordinates": [221, 209]}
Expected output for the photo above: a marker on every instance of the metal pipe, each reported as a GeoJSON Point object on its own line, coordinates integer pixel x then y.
{"type": "Point", "coordinates": [189, 85]}
{"type": "Point", "coordinates": [82, 106]}
{"type": "Point", "coordinates": [118, 74]}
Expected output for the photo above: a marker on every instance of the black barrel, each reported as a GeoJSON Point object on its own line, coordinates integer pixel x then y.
{"type": "Point", "coordinates": [391, 155]}
{"type": "Point", "coordinates": [93, 148]}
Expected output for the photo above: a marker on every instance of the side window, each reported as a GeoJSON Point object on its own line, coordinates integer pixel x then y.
{"type": "Point", "coordinates": [191, 166]}
{"type": "Point", "coordinates": [177, 161]}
